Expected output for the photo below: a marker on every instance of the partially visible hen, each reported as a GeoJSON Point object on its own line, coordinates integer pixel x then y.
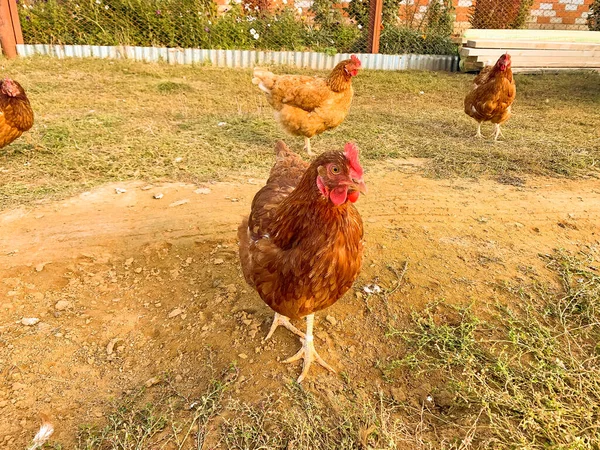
{"type": "Point", "coordinates": [492, 95]}
{"type": "Point", "coordinates": [301, 247]}
{"type": "Point", "coordinates": [16, 115]}
{"type": "Point", "coordinates": [306, 106]}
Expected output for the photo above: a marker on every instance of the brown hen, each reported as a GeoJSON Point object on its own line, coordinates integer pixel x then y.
{"type": "Point", "coordinates": [16, 115]}
{"type": "Point", "coordinates": [301, 247]}
{"type": "Point", "coordinates": [306, 106]}
{"type": "Point", "coordinates": [492, 95]}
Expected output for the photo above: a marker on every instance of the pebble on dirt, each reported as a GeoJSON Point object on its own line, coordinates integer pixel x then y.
{"type": "Point", "coordinates": [61, 305]}
{"type": "Point", "coordinates": [29, 321]}
{"type": "Point", "coordinates": [158, 196]}
{"type": "Point", "coordinates": [120, 190]}
{"type": "Point", "coordinates": [179, 203]}
{"type": "Point", "coordinates": [176, 312]}
{"type": "Point", "coordinates": [202, 190]}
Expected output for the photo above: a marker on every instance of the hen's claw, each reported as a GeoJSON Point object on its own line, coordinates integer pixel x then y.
{"type": "Point", "coordinates": [283, 320]}
{"type": "Point", "coordinates": [309, 354]}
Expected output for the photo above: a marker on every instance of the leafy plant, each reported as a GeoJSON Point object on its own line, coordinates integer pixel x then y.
{"type": "Point", "coordinates": [594, 16]}
{"type": "Point", "coordinates": [507, 14]}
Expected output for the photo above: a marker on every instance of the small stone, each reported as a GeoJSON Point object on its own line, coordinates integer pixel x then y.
{"type": "Point", "coordinates": [332, 320]}
{"type": "Point", "coordinates": [202, 190]}
{"type": "Point", "coordinates": [120, 190]}
{"type": "Point", "coordinates": [128, 261]}
{"type": "Point", "coordinates": [243, 356]}
{"type": "Point", "coordinates": [61, 305]}
{"type": "Point", "coordinates": [179, 378]}
{"type": "Point", "coordinates": [218, 261]}
{"type": "Point", "coordinates": [175, 313]}
{"type": "Point", "coordinates": [152, 381]}
{"type": "Point", "coordinates": [158, 195]}
{"type": "Point", "coordinates": [29, 321]}
{"type": "Point", "coordinates": [111, 345]}
{"type": "Point", "coordinates": [247, 322]}
{"type": "Point", "coordinates": [138, 270]}
{"type": "Point", "coordinates": [179, 203]}
{"type": "Point", "coordinates": [41, 266]}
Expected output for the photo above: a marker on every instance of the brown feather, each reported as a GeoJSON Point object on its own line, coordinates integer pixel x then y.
{"type": "Point", "coordinates": [299, 251]}
{"type": "Point", "coordinates": [491, 98]}
{"type": "Point", "coordinates": [306, 106]}
{"type": "Point", "coordinates": [16, 116]}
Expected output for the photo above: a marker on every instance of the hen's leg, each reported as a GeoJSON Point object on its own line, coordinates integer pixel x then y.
{"type": "Point", "coordinates": [282, 320]}
{"type": "Point", "coordinates": [478, 130]}
{"type": "Point", "coordinates": [497, 131]}
{"type": "Point", "coordinates": [308, 352]}
{"type": "Point", "coordinates": [307, 146]}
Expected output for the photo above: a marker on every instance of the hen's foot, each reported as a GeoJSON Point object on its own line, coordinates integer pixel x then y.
{"type": "Point", "coordinates": [497, 131]}
{"type": "Point", "coordinates": [308, 352]}
{"type": "Point", "coordinates": [478, 135]}
{"type": "Point", "coordinates": [282, 320]}
{"type": "Point", "coordinates": [307, 146]}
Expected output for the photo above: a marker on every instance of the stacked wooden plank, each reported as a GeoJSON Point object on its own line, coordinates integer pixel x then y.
{"type": "Point", "coordinates": [531, 49]}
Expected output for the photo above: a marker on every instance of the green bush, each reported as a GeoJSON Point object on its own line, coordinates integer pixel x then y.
{"type": "Point", "coordinates": [594, 16]}
{"type": "Point", "coordinates": [248, 25]}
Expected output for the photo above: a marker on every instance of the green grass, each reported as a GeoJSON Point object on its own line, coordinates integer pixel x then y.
{"type": "Point", "coordinates": [99, 121]}
{"type": "Point", "coordinates": [529, 376]}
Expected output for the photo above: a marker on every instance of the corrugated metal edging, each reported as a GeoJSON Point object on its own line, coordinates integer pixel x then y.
{"type": "Point", "coordinates": [242, 58]}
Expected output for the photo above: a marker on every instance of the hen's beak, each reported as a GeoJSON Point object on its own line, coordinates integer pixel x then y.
{"type": "Point", "coordinates": [359, 185]}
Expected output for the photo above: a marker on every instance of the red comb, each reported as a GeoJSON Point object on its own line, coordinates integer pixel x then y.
{"type": "Point", "coordinates": [351, 154]}
{"type": "Point", "coordinates": [355, 60]}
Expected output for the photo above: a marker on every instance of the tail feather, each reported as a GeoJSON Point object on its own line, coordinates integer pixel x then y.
{"type": "Point", "coordinates": [264, 79]}
{"type": "Point", "coordinates": [282, 151]}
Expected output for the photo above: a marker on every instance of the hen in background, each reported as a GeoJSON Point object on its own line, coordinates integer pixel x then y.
{"type": "Point", "coordinates": [16, 115]}
{"type": "Point", "coordinates": [306, 106]}
{"type": "Point", "coordinates": [301, 247]}
{"type": "Point", "coordinates": [492, 95]}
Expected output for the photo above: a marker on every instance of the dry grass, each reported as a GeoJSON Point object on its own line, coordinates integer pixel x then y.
{"type": "Point", "coordinates": [99, 121]}
{"type": "Point", "coordinates": [525, 376]}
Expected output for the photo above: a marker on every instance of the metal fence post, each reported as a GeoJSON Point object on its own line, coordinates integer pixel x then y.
{"type": "Point", "coordinates": [375, 13]}
{"type": "Point", "coordinates": [10, 28]}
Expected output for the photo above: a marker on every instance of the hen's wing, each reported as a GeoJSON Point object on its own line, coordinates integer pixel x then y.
{"type": "Point", "coordinates": [307, 93]}
{"type": "Point", "coordinates": [284, 177]}
{"type": "Point", "coordinates": [491, 99]}
{"type": "Point", "coordinates": [482, 76]}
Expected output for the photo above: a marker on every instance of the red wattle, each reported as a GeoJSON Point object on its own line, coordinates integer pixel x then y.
{"type": "Point", "coordinates": [338, 195]}
{"type": "Point", "coordinates": [353, 196]}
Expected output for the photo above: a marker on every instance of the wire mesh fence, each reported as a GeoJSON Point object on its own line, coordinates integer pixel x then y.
{"type": "Point", "coordinates": [330, 26]}
{"type": "Point", "coordinates": [303, 25]}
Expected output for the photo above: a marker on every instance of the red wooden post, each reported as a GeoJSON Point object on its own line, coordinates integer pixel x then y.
{"type": "Point", "coordinates": [16, 22]}
{"type": "Point", "coordinates": [375, 12]}
{"type": "Point", "coordinates": [7, 35]}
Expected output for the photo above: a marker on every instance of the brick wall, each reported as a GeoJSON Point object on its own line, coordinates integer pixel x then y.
{"type": "Point", "coordinates": [545, 14]}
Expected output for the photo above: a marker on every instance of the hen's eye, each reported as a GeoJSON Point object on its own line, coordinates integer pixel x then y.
{"type": "Point", "coordinates": [335, 170]}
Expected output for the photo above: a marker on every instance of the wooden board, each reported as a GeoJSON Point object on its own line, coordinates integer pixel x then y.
{"type": "Point", "coordinates": [537, 45]}
{"type": "Point", "coordinates": [540, 61]}
{"type": "Point", "coordinates": [533, 35]}
{"type": "Point", "coordinates": [494, 53]}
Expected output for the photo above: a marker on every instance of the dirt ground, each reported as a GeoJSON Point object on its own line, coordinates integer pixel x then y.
{"type": "Point", "coordinates": [127, 287]}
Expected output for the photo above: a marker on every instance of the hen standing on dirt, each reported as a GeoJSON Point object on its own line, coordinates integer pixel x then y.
{"type": "Point", "coordinates": [301, 247]}
{"type": "Point", "coordinates": [493, 93]}
{"type": "Point", "coordinates": [16, 115]}
{"type": "Point", "coordinates": [306, 106]}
